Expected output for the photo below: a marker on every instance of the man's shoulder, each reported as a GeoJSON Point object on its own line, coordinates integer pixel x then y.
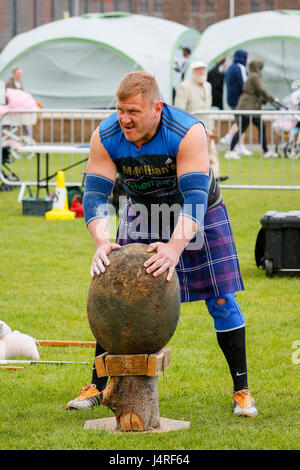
{"type": "Point", "coordinates": [233, 68]}
{"type": "Point", "coordinates": [185, 84]}
{"type": "Point", "coordinates": [177, 118]}
{"type": "Point", "coordinates": [109, 126]}
{"type": "Point", "coordinates": [9, 83]}
{"type": "Point", "coordinates": [175, 124]}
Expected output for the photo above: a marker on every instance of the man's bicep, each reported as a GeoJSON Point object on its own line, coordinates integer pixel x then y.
{"type": "Point", "coordinates": [99, 161]}
{"type": "Point", "coordinates": [193, 151]}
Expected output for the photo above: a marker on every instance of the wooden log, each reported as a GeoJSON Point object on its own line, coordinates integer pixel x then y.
{"type": "Point", "coordinates": [120, 365]}
{"type": "Point", "coordinates": [100, 365]}
{"type": "Point", "coordinates": [12, 367]}
{"type": "Point", "coordinates": [158, 362]}
{"type": "Point", "coordinates": [132, 364]}
{"type": "Point", "coordinates": [46, 342]}
{"type": "Point", "coordinates": [132, 393]}
{"type": "Point", "coordinates": [134, 400]}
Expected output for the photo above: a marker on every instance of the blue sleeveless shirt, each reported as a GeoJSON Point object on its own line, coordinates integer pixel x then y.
{"type": "Point", "coordinates": [148, 175]}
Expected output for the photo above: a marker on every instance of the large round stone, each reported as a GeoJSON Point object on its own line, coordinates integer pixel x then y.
{"type": "Point", "coordinates": [129, 310]}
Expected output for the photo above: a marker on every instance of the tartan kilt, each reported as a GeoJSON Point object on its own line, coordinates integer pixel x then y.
{"type": "Point", "coordinates": [205, 273]}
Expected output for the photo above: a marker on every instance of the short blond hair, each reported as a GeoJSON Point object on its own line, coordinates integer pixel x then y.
{"type": "Point", "coordinates": [138, 82]}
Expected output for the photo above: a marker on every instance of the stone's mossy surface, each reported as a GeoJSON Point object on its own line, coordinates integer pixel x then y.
{"type": "Point", "coordinates": [129, 310]}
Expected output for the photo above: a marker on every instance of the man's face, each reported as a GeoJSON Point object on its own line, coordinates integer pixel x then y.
{"type": "Point", "coordinates": [138, 117]}
{"type": "Point", "coordinates": [17, 75]}
{"type": "Point", "coordinates": [199, 71]}
{"type": "Point", "coordinates": [199, 75]}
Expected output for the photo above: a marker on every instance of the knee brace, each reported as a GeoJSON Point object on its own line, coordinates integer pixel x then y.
{"type": "Point", "coordinates": [227, 316]}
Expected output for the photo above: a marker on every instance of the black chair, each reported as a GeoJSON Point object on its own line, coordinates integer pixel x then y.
{"type": "Point", "coordinates": [6, 169]}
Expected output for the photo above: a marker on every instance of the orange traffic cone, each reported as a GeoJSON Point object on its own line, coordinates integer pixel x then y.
{"type": "Point", "coordinates": [60, 209]}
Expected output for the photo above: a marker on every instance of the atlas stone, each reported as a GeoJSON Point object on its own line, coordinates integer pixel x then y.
{"type": "Point", "coordinates": [129, 310]}
{"type": "Point", "coordinates": [133, 315]}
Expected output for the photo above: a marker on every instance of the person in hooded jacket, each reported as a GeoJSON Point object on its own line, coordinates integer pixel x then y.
{"type": "Point", "coordinates": [253, 97]}
{"type": "Point", "coordinates": [195, 94]}
{"type": "Point", "coordinates": [235, 77]}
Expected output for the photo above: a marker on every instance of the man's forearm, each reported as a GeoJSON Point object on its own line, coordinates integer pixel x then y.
{"type": "Point", "coordinates": [183, 233]}
{"type": "Point", "coordinates": [99, 230]}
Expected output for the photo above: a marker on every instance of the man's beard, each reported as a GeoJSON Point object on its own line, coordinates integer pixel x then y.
{"type": "Point", "coordinates": [199, 79]}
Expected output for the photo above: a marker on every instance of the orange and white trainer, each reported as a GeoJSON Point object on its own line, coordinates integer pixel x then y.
{"type": "Point", "coordinates": [89, 396]}
{"type": "Point", "coordinates": [243, 404]}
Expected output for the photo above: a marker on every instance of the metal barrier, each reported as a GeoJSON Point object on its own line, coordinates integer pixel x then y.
{"type": "Point", "coordinates": [35, 145]}
{"type": "Point", "coordinates": [278, 169]}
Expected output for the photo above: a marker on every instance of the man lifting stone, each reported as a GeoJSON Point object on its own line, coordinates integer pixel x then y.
{"type": "Point", "coordinates": [160, 154]}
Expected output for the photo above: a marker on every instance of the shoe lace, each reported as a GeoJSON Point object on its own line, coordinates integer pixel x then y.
{"type": "Point", "coordinates": [85, 388]}
{"type": "Point", "coordinates": [243, 397]}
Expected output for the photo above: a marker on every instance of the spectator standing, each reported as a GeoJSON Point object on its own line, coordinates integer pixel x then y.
{"type": "Point", "coordinates": [253, 97]}
{"type": "Point", "coordinates": [195, 94]}
{"type": "Point", "coordinates": [215, 77]}
{"type": "Point", "coordinates": [235, 77]}
{"type": "Point", "coordinates": [15, 80]}
{"type": "Point", "coordinates": [180, 69]}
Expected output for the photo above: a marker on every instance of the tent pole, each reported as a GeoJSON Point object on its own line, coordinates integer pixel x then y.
{"type": "Point", "coordinates": [231, 8]}
{"type": "Point", "coordinates": [76, 8]}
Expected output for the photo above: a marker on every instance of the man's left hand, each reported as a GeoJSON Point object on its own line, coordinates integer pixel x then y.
{"type": "Point", "coordinates": [166, 257]}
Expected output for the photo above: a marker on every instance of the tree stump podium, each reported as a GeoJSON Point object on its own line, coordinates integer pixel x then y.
{"type": "Point", "coordinates": [132, 392]}
{"type": "Point", "coordinates": [132, 315]}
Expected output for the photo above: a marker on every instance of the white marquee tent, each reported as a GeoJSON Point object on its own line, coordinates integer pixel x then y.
{"type": "Point", "coordinates": [78, 62]}
{"type": "Point", "coordinates": [272, 36]}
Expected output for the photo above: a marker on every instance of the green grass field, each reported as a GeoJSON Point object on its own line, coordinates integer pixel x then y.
{"type": "Point", "coordinates": [45, 278]}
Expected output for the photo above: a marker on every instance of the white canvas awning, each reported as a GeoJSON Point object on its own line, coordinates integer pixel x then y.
{"type": "Point", "coordinates": [78, 62]}
{"type": "Point", "coordinates": [272, 36]}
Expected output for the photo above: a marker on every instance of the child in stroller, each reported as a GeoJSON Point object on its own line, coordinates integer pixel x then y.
{"type": "Point", "coordinates": [287, 127]}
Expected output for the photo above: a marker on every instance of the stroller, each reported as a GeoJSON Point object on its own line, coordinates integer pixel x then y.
{"type": "Point", "coordinates": [16, 129]}
{"type": "Point", "coordinates": [288, 127]}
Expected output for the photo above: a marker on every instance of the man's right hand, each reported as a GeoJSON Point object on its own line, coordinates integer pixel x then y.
{"type": "Point", "coordinates": [100, 259]}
